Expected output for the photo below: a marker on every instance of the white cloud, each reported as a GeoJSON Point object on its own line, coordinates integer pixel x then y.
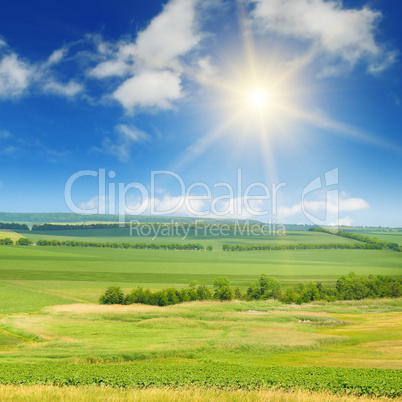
{"type": "Point", "coordinates": [2, 43]}
{"type": "Point", "coordinates": [131, 133]}
{"type": "Point", "coordinates": [5, 134]}
{"type": "Point", "coordinates": [56, 56]}
{"type": "Point", "coordinates": [15, 76]}
{"type": "Point", "coordinates": [154, 61]}
{"type": "Point", "coordinates": [149, 89]}
{"type": "Point", "coordinates": [169, 35]}
{"type": "Point", "coordinates": [110, 68]}
{"type": "Point", "coordinates": [9, 150]}
{"type": "Point", "coordinates": [122, 144]}
{"type": "Point", "coordinates": [94, 203]}
{"type": "Point", "coordinates": [331, 205]}
{"type": "Point", "coordinates": [70, 89]}
{"type": "Point", "coordinates": [352, 204]}
{"type": "Point", "coordinates": [346, 34]}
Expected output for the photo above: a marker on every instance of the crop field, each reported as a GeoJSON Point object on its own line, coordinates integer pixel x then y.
{"type": "Point", "coordinates": [391, 237]}
{"type": "Point", "coordinates": [53, 331]}
{"type": "Point", "coordinates": [150, 235]}
{"type": "Point", "coordinates": [11, 235]}
{"type": "Point", "coordinates": [84, 273]}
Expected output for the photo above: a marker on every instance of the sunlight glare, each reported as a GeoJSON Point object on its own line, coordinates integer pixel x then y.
{"type": "Point", "coordinates": [258, 98]}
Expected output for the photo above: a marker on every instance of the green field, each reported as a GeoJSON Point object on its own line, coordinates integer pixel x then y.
{"type": "Point", "coordinates": [49, 315]}
{"type": "Point", "coordinates": [123, 235]}
{"type": "Point", "coordinates": [84, 273]}
{"type": "Point", "coordinates": [391, 237]}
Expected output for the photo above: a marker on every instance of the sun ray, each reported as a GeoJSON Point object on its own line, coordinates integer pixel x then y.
{"type": "Point", "coordinates": [259, 96]}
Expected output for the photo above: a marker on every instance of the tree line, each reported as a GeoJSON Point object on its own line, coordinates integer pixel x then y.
{"type": "Point", "coordinates": [23, 241]}
{"type": "Point", "coordinates": [142, 246]}
{"type": "Point", "coordinates": [155, 225]}
{"type": "Point", "coordinates": [350, 287]}
{"type": "Point", "coordinates": [55, 226]}
{"type": "Point", "coordinates": [222, 290]}
{"type": "Point", "coordinates": [359, 237]}
{"type": "Point", "coordinates": [75, 243]}
{"type": "Point", "coordinates": [301, 246]}
{"type": "Point", "coordinates": [13, 226]}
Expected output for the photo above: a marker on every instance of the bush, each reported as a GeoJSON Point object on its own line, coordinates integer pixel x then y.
{"type": "Point", "coordinates": [6, 242]}
{"type": "Point", "coordinates": [237, 294]}
{"type": "Point", "coordinates": [224, 293]}
{"type": "Point", "coordinates": [266, 288]}
{"type": "Point", "coordinates": [351, 287]}
{"type": "Point", "coordinates": [203, 293]}
{"type": "Point", "coordinates": [113, 295]}
{"type": "Point", "coordinates": [23, 241]}
{"type": "Point", "coordinates": [223, 290]}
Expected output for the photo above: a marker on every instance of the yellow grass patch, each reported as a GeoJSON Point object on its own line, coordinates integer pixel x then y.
{"type": "Point", "coordinates": [102, 309]}
{"type": "Point", "coordinates": [92, 393]}
{"type": "Point", "coordinates": [11, 235]}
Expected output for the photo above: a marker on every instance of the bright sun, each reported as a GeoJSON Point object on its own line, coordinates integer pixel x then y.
{"type": "Point", "coordinates": [257, 98]}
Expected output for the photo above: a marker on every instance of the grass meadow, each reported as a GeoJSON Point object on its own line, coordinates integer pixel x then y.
{"type": "Point", "coordinates": [48, 393]}
{"type": "Point", "coordinates": [147, 235]}
{"type": "Point", "coordinates": [49, 315]}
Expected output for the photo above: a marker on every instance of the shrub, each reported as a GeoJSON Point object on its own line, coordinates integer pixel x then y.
{"type": "Point", "coordinates": [113, 295]}
{"type": "Point", "coordinates": [237, 294]}
{"type": "Point", "coordinates": [203, 293]}
{"type": "Point", "coordinates": [23, 241]}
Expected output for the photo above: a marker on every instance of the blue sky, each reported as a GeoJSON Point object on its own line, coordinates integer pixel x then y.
{"type": "Point", "coordinates": [284, 90]}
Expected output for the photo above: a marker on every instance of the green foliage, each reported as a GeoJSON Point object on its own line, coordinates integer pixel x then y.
{"type": "Point", "coordinates": [371, 382]}
{"type": "Point", "coordinates": [23, 241]}
{"type": "Point", "coordinates": [6, 242]}
{"type": "Point", "coordinates": [270, 287]}
{"type": "Point", "coordinates": [351, 287]}
{"type": "Point", "coordinates": [113, 295]}
{"type": "Point", "coordinates": [221, 281]}
{"type": "Point", "coordinates": [266, 288]}
{"type": "Point", "coordinates": [238, 294]}
{"type": "Point", "coordinates": [224, 293]}
{"type": "Point", "coordinates": [223, 290]}
{"type": "Point", "coordinates": [13, 226]}
{"type": "Point", "coordinates": [203, 293]}
{"type": "Point", "coordinates": [168, 296]}
{"type": "Point", "coordinates": [354, 287]}
{"type": "Point", "coordinates": [209, 248]}
{"type": "Point", "coordinates": [138, 246]}
{"type": "Point", "coordinates": [302, 246]}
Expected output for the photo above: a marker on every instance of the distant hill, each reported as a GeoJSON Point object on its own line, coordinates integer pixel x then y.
{"type": "Point", "coordinates": [56, 217]}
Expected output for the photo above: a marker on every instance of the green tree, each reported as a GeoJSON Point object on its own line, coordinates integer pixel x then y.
{"type": "Point", "coordinates": [223, 290]}
{"type": "Point", "coordinates": [23, 241]}
{"type": "Point", "coordinates": [237, 294]}
{"type": "Point", "coordinates": [193, 284]}
{"type": "Point", "coordinates": [113, 295]}
{"type": "Point", "coordinates": [203, 293]}
{"type": "Point", "coordinates": [6, 242]}
{"type": "Point", "coordinates": [270, 287]}
{"type": "Point", "coordinates": [253, 292]}
{"type": "Point", "coordinates": [224, 293]}
{"type": "Point", "coordinates": [221, 281]}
